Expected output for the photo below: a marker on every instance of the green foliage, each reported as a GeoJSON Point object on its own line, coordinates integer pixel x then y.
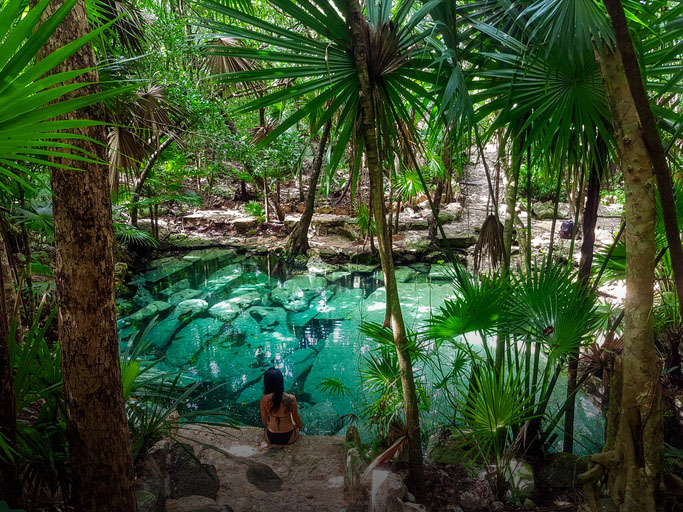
{"type": "Point", "coordinates": [381, 378]}
{"type": "Point", "coordinates": [366, 225]}
{"type": "Point", "coordinates": [32, 96]}
{"type": "Point", "coordinates": [333, 387]}
{"type": "Point", "coordinates": [529, 325]}
{"type": "Point", "coordinates": [407, 183]}
{"type": "Point", "coordinates": [254, 208]}
{"type": "Point", "coordinates": [130, 235]}
{"type": "Point", "coordinates": [543, 184]}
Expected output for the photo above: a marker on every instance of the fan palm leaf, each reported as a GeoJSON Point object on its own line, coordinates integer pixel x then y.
{"type": "Point", "coordinates": [322, 65]}
{"type": "Point", "coordinates": [33, 97]}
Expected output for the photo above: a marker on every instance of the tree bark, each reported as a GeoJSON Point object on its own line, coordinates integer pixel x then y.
{"type": "Point", "coordinates": [358, 32]}
{"type": "Point", "coordinates": [9, 482]}
{"type": "Point", "coordinates": [651, 139]}
{"type": "Point", "coordinates": [633, 452]}
{"type": "Point", "coordinates": [297, 243]}
{"type": "Point", "coordinates": [97, 428]}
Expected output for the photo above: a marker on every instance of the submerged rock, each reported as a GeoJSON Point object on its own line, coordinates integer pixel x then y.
{"type": "Point", "coordinates": [183, 295]}
{"type": "Point", "coordinates": [342, 305]}
{"type": "Point", "coordinates": [183, 284]}
{"type": "Point", "coordinates": [296, 294]}
{"type": "Point", "coordinates": [147, 312]}
{"type": "Point", "coordinates": [162, 333]}
{"type": "Point", "coordinates": [191, 339]}
{"type": "Point", "coordinates": [191, 308]}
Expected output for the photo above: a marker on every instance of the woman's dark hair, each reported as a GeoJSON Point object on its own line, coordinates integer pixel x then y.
{"type": "Point", "coordinates": [274, 382]}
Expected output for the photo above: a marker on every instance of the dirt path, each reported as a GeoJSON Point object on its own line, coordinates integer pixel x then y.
{"type": "Point", "coordinates": [254, 477]}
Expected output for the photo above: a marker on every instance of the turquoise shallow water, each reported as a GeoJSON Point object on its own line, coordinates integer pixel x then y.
{"type": "Point", "coordinates": [222, 318]}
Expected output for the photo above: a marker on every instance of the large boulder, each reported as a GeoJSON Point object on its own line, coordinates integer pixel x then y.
{"type": "Point", "coordinates": [560, 471]}
{"type": "Point", "coordinates": [444, 448]}
{"type": "Point", "coordinates": [189, 477]}
{"type": "Point", "coordinates": [387, 491]}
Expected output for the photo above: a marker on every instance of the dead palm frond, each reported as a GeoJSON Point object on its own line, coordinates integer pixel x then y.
{"type": "Point", "coordinates": [220, 64]}
{"type": "Point", "coordinates": [139, 121]}
{"type": "Point", "coordinates": [490, 243]}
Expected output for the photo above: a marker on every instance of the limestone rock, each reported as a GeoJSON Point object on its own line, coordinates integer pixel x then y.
{"type": "Point", "coordinates": [189, 478]}
{"type": "Point", "coordinates": [244, 224]}
{"type": "Point", "coordinates": [561, 470]}
{"type": "Point", "coordinates": [190, 308]}
{"type": "Point", "coordinates": [162, 333]}
{"type": "Point", "coordinates": [183, 284]}
{"type": "Point", "coordinates": [316, 265]}
{"type": "Point", "coordinates": [182, 296]}
{"type": "Point", "coordinates": [443, 448]}
{"type": "Point", "coordinates": [387, 492]}
{"type": "Point", "coordinates": [295, 294]}
{"type": "Point", "coordinates": [520, 477]}
{"type": "Point", "coordinates": [454, 209]}
{"type": "Point", "coordinates": [263, 477]}
{"type": "Point", "coordinates": [546, 210]}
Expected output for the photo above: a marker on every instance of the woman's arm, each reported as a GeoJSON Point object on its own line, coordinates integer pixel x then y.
{"type": "Point", "coordinates": [264, 412]}
{"type": "Point", "coordinates": [295, 413]}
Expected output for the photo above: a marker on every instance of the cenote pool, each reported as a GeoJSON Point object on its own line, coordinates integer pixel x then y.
{"type": "Point", "coordinates": [222, 318]}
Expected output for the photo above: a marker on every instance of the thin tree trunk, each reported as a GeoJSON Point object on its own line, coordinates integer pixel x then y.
{"type": "Point", "coordinates": [97, 428]}
{"type": "Point", "coordinates": [357, 26]}
{"type": "Point", "coordinates": [9, 481]}
{"type": "Point", "coordinates": [633, 452]}
{"type": "Point", "coordinates": [297, 243]}
{"type": "Point", "coordinates": [511, 199]}
{"type": "Point", "coordinates": [140, 182]}
{"type": "Point", "coordinates": [590, 218]}
{"type": "Point", "coordinates": [651, 139]}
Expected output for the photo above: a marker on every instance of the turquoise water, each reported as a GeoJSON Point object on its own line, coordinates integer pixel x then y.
{"type": "Point", "coordinates": [222, 318]}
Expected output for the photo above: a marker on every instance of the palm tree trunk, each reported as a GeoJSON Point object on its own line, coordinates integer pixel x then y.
{"type": "Point", "coordinates": [97, 428]}
{"type": "Point", "coordinates": [651, 139]}
{"type": "Point", "coordinates": [633, 452]}
{"type": "Point", "coordinates": [297, 243]}
{"type": "Point", "coordinates": [357, 25]}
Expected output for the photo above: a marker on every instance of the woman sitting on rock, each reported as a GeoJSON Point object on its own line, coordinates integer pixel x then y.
{"type": "Point", "coordinates": [279, 411]}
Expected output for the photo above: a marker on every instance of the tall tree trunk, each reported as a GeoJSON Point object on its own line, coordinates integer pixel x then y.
{"type": "Point", "coordinates": [297, 243]}
{"type": "Point", "coordinates": [651, 139]}
{"type": "Point", "coordinates": [97, 428]}
{"type": "Point", "coordinates": [511, 198]}
{"type": "Point", "coordinates": [9, 481]}
{"type": "Point", "coordinates": [590, 218]}
{"type": "Point", "coordinates": [633, 452]}
{"type": "Point", "coordinates": [358, 31]}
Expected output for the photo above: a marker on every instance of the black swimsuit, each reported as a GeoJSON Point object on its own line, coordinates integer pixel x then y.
{"type": "Point", "coordinates": [279, 437]}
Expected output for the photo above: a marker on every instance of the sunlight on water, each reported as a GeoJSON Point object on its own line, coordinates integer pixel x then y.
{"type": "Point", "coordinates": [221, 318]}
